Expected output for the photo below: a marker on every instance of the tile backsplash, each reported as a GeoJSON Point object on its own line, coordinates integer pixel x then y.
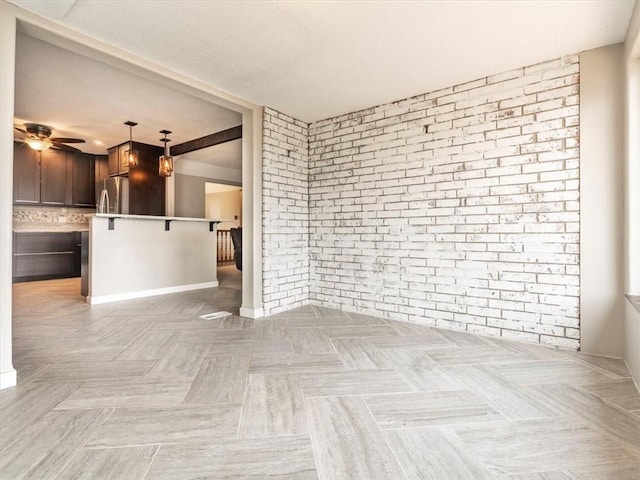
{"type": "Point", "coordinates": [50, 215]}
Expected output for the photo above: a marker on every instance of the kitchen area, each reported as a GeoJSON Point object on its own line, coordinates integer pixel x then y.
{"type": "Point", "coordinates": [95, 193]}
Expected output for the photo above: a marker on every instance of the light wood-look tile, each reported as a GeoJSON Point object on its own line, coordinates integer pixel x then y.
{"type": "Point", "coordinates": [247, 347]}
{"type": "Point", "coordinates": [509, 399]}
{"type": "Point", "coordinates": [347, 442]}
{"type": "Point", "coordinates": [360, 331]}
{"type": "Point", "coordinates": [310, 340]}
{"type": "Point", "coordinates": [278, 458]}
{"type": "Point", "coordinates": [435, 454]}
{"type": "Point", "coordinates": [274, 406]}
{"type": "Point", "coordinates": [151, 346]}
{"type": "Point", "coordinates": [145, 388]}
{"type": "Point", "coordinates": [82, 372]}
{"type": "Point", "coordinates": [24, 404]}
{"type": "Point", "coordinates": [420, 371]}
{"type": "Point", "coordinates": [221, 379]}
{"type": "Point", "coordinates": [410, 341]}
{"type": "Point", "coordinates": [181, 360]}
{"type": "Point", "coordinates": [555, 371]}
{"type": "Point", "coordinates": [360, 354]}
{"type": "Point", "coordinates": [151, 426]}
{"type": "Point", "coordinates": [429, 408]}
{"type": "Point", "coordinates": [125, 463]}
{"type": "Point", "coordinates": [126, 393]}
{"type": "Point", "coordinates": [474, 355]}
{"type": "Point", "coordinates": [618, 423]}
{"type": "Point", "coordinates": [353, 382]}
{"type": "Point", "coordinates": [283, 362]}
{"type": "Point", "coordinates": [45, 446]}
{"type": "Point", "coordinates": [548, 444]}
{"type": "Point", "coordinates": [621, 393]}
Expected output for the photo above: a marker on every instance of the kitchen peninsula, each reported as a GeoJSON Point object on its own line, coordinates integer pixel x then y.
{"type": "Point", "coordinates": [133, 256]}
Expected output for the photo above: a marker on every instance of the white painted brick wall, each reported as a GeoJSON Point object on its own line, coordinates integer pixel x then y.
{"type": "Point", "coordinates": [285, 227]}
{"type": "Point", "coordinates": [457, 208]}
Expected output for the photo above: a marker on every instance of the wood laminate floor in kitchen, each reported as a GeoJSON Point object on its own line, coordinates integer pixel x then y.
{"type": "Point", "coordinates": [144, 389]}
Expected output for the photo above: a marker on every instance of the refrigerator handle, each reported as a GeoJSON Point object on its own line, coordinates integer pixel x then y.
{"type": "Point", "coordinates": [104, 201]}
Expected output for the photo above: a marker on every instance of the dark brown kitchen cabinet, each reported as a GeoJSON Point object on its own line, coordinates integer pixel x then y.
{"type": "Point", "coordinates": [118, 159]}
{"type": "Point", "coordinates": [102, 167]}
{"type": "Point", "coordinates": [26, 174]}
{"type": "Point", "coordinates": [54, 176]}
{"type": "Point", "coordinates": [82, 179]}
{"type": "Point", "coordinates": [146, 187]}
{"type": "Point", "coordinates": [45, 255]}
{"type": "Point", "coordinates": [114, 161]}
{"type": "Point", "coordinates": [123, 164]}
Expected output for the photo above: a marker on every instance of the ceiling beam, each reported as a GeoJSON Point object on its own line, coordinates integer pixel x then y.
{"type": "Point", "coordinates": [207, 141]}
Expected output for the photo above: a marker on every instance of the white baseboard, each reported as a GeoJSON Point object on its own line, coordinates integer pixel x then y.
{"type": "Point", "coordinates": [8, 379]}
{"type": "Point", "coordinates": [117, 297]}
{"type": "Point", "coordinates": [251, 312]}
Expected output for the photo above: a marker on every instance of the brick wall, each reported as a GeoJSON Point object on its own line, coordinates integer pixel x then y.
{"type": "Point", "coordinates": [457, 208]}
{"type": "Point", "coordinates": [285, 226]}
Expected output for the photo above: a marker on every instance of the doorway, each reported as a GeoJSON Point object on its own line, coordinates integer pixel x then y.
{"type": "Point", "coordinates": [14, 19]}
{"type": "Point", "coordinates": [224, 202]}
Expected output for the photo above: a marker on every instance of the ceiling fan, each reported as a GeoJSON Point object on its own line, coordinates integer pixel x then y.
{"type": "Point", "coordinates": [39, 138]}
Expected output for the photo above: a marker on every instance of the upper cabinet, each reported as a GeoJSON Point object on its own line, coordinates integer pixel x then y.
{"type": "Point", "coordinates": [146, 187]}
{"type": "Point", "coordinates": [118, 161]}
{"type": "Point", "coordinates": [26, 174]}
{"type": "Point", "coordinates": [102, 167]}
{"type": "Point", "coordinates": [53, 177]}
{"type": "Point", "coordinates": [83, 184]}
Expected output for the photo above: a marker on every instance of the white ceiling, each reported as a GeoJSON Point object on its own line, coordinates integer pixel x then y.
{"type": "Point", "coordinates": [317, 59]}
{"type": "Point", "coordinates": [81, 97]}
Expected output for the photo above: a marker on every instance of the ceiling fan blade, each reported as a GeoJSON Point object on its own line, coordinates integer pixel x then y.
{"type": "Point", "coordinates": [66, 140]}
{"type": "Point", "coordinates": [21, 130]}
{"type": "Point", "coordinates": [66, 148]}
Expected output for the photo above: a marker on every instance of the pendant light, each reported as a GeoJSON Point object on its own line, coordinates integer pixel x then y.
{"type": "Point", "coordinates": [166, 161]}
{"type": "Point", "coordinates": [131, 155]}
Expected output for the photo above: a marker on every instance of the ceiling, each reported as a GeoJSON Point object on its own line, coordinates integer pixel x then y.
{"type": "Point", "coordinates": [81, 97]}
{"type": "Point", "coordinates": [317, 59]}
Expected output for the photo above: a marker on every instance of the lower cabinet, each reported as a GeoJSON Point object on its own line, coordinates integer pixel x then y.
{"type": "Point", "coordinates": [45, 255]}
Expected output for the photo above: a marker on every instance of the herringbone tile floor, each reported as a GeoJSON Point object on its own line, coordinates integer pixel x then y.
{"type": "Point", "coordinates": [146, 389]}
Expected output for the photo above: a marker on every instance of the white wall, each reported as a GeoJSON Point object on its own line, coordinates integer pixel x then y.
{"type": "Point", "coordinates": [7, 67]}
{"type": "Point", "coordinates": [632, 174]}
{"type": "Point", "coordinates": [286, 212]}
{"type": "Point", "coordinates": [139, 257]}
{"type": "Point", "coordinates": [601, 200]}
{"type": "Point", "coordinates": [226, 206]}
{"type": "Point", "coordinates": [458, 208]}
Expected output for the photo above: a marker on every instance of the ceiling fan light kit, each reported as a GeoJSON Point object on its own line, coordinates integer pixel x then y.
{"type": "Point", "coordinates": [38, 138]}
{"type": "Point", "coordinates": [132, 155]}
{"type": "Point", "coordinates": [165, 166]}
{"type": "Point", "coordinates": [39, 144]}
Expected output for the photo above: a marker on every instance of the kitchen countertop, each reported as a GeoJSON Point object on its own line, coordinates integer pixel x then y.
{"type": "Point", "coordinates": [151, 217]}
{"type": "Point", "coordinates": [30, 227]}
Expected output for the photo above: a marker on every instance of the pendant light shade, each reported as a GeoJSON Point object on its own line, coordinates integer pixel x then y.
{"type": "Point", "coordinates": [165, 166]}
{"type": "Point", "coordinates": [131, 154]}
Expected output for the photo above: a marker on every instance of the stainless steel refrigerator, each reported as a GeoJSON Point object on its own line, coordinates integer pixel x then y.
{"type": "Point", "coordinates": [112, 195]}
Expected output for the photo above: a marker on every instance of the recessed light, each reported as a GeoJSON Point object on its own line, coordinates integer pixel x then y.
{"type": "Point", "coordinates": [98, 142]}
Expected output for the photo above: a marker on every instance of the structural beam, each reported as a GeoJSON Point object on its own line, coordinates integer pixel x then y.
{"type": "Point", "coordinates": [207, 141]}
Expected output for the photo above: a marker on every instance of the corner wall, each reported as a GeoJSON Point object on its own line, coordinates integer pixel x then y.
{"type": "Point", "coordinates": [458, 208]}
{"type": "Point", "coordinates": [285, 197]}
{"type": "Point", "coordinates": [632, 192]}
{"type": "Point", "coordinates": [602, 206]}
